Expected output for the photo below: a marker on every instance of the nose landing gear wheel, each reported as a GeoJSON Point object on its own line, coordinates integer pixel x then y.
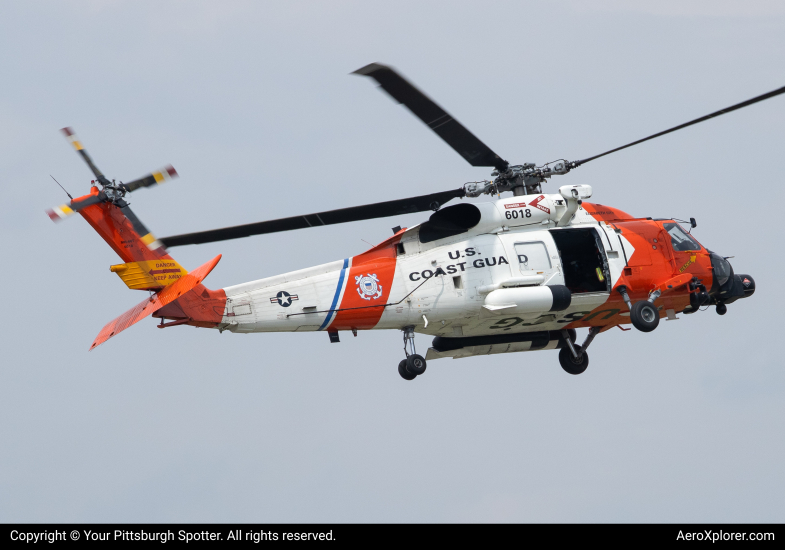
{"type": "Point", "coordinates": [415, 364]}
{"type": "Point", "coordinates": [645, 316]}
{"type": "Point", "coordinates": [570, 364]}
{"type": "Point", "coordinates": [405, 374]}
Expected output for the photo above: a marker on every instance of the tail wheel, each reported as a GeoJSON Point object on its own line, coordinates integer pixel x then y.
{"type": "Point", "coordinates": [405, 374]}
{"type": "Point", "coordinates": [415, 364]}
{"type": "Point", "coordinates": [570, 364]}
{"type": "Point", "coordinates": [645, 316]}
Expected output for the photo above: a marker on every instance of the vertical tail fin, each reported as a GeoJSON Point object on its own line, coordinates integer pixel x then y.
{"type": "Point", "coordinates": [147, 264]}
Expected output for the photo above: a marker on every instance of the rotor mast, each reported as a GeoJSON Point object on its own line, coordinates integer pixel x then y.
{"type": "Point", "coordinates": [521, 179]}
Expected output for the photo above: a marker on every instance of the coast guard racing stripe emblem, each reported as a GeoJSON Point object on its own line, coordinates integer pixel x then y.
{"type": "Point", "coordinates": [368, 286]}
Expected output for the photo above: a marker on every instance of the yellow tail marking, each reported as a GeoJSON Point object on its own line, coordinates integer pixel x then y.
{"type": "Point", "coordinates": [150, 274]}
{"type": "Point", "coordinates": [147, 239]}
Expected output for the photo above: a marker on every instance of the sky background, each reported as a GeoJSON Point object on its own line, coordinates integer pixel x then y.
{"type": "Point", "coordinates": [253, 103]}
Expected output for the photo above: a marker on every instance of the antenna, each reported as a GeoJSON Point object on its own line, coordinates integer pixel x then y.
{"type": "Point", "coordinates": [61, 187]}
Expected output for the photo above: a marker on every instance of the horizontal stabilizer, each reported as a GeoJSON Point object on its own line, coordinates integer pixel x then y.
{"type": "Point", "coordinates": [155, 302]}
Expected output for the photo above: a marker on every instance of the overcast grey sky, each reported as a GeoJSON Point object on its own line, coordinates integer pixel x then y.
{"type": "Point", "coordinates": [253, 104]}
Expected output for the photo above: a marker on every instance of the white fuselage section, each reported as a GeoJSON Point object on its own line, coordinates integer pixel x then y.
{"type": "Point", "coordinates": [441, 287]}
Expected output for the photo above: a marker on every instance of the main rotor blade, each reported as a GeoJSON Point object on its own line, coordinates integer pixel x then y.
{"type": "Point", "coordinates": [450, 130]}
{"type": "Point", "coordinates": [331, 217]}
{"type": "Point", "coordinates": [771, 94]}
{"type": "Point", "coordinates": [155, 178]}
{"type": "Point", "coordinates": [71, 136]}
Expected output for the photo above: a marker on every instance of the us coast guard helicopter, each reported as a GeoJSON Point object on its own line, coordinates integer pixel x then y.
{"type": "Point", "coordinates": [520, 273]}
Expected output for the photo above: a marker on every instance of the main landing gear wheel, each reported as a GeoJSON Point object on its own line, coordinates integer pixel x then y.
{"type": "Point", "coordinates": [571, 364]}
{"type": "Point", "coordinates": [415, 364]}
{"type": "Point", "coordinates": [404, 372]}
{"type": "Point", "coordinates": [645, 316]}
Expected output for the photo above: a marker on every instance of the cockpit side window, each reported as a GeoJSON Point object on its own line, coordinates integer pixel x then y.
{"type": "Point", "coordinates": [680, 239]}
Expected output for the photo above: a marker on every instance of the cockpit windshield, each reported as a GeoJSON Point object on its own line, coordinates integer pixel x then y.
{"type": "Point", "coordinates": [680, 239]}
{"type": "Point", "coordinates": [722, 269]}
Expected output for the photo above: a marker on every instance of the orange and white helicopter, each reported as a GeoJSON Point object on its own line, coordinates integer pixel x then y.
{"type": "Point", "coordinates": [517, 274]}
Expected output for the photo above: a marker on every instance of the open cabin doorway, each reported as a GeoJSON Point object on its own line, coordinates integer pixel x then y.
{"type": "Point", "coordinates": [583, 259]}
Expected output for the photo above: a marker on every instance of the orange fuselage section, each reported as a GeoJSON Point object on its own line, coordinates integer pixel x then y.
{"type": "Point", "coordinates": [651, 264]}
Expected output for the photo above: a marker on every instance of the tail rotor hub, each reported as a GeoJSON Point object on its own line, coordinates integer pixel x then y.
{"type": "Point", "coordinates": [111, 191]}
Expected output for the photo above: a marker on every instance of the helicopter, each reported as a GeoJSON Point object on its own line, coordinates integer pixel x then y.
{"type": "Point", "coordinates": [520, 273]}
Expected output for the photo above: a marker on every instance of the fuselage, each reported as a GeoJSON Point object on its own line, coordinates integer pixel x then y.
{"type": "Point", "coordinates": [438, 276]}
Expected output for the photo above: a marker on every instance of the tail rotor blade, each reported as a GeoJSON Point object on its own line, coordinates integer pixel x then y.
{"type": "Point", "coordinates": [65, 210]}
{"type": "Point", "coordinates": [60, 212]}
{"type": "Point", "coordinates": [71, 136]}
{"type": "Point", "coordinates": [156, 178]}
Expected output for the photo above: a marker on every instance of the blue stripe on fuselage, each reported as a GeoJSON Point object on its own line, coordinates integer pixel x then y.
{"type": "Point", "coordinates": [337, 295]}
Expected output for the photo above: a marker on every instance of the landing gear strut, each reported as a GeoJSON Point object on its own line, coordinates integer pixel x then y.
{"type": "Point", "coordinates": [573, 358]}
{"type": "Point", "coordinates": [414, 364]}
